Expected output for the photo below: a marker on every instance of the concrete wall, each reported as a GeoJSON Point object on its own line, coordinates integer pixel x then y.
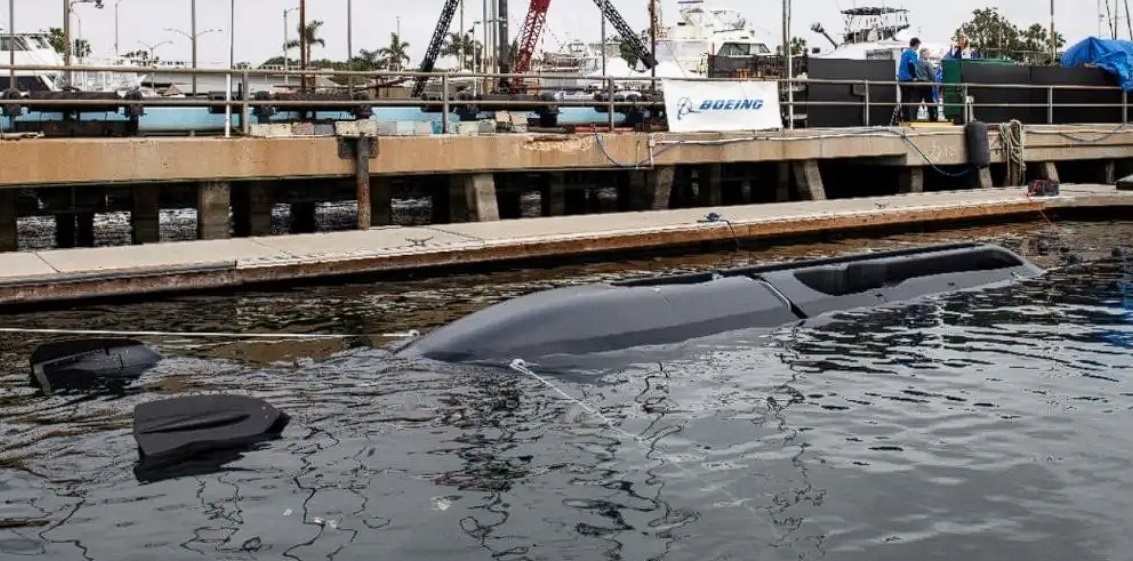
{"type": "Point", "coordinates": [34, 162]}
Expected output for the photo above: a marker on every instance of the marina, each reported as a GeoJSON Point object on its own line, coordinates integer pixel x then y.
{"type": "Point", "coordinates": [680, 287]}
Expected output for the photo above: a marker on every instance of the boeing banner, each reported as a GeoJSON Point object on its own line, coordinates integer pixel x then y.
{"type": "Point", "coordinates": [739, 105]}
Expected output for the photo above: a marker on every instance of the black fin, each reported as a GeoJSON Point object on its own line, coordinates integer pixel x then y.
{"type": "Point", "coordinates": [173, 430]}
{"type": "Point", "coordinates": [84, 364]}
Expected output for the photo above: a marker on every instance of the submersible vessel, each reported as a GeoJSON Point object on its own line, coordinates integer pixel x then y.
{"type": "Point", "coordinates": [596, 318]}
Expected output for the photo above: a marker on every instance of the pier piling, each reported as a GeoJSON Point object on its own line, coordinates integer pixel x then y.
{"type": "Point", "coordinates": [473, 198]}
{"type": "Point", "coordinates": [711, 185]}
{"type": "Point", "coordinates": [911, 180]}
{"type": "Point", "coordinates": [552, 197]}
{"type": "Point", "coordinates": [145, 214]}
{"type": "Point", "coordinates": [214, 205]}
{"type": "Point", "coordinates": [809, 181]}
{"type": "Point", "coordinates": [782, 182]}
{"type": "Point", "coordinates": [303, 217]}
{"type": "Point", "coordinates": [651, 189]}
{"type": "Point", "coordinates": [1048, 171]}
{"type": "Point", "coordinates": [65, 230]}
{"type": "Point", "coordinates": [251, 208]}
{"type": "Point", "coordinates": [9, 233]}
{"type": "Point", "coordinates": [362, 152]}
{"type": "Point", "coordinates": [381, 201]}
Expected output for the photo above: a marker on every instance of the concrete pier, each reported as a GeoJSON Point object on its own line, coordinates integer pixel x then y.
{"type": "Point", "coordinates": [233, 182]}
{"type": "Point", "coordinates": [70, 274]}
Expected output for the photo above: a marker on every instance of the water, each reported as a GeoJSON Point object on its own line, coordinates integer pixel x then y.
{"type": "Point", "coordinates": [985, 425]}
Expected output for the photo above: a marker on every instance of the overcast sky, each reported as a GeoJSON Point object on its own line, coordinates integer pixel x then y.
{"type": "Point", "coordinates": [259, 23]}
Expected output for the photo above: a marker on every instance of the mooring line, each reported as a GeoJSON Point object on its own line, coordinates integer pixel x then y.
{"type": "Point", "coordinates": [413, 333]}
{"type": "Point", "coordinates": [520, 366]}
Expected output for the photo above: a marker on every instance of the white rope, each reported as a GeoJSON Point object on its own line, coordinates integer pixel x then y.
{"type": "Point", "coordinates": [203, 334]}
{"type": "Point", "coordinates": [1012, 139]}
{"type": "Point", "coordinates": [520, 366]}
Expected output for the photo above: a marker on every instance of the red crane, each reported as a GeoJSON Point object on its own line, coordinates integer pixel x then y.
{"type": "Point", "coordinates": [529, 35]}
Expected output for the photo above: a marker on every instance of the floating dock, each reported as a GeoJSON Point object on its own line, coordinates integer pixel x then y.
{"type": "Point", "coordinates": [71, 274]}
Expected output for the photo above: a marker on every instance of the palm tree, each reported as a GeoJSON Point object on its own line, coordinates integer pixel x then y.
{"type": "Point", "coordinates": [459, 45]}
{"type": "Point", "coordinates": [311, 34]}
{"type": "Point", "coordinates": [395, 54]}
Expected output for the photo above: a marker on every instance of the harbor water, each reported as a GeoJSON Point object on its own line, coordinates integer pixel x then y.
{"type": "Point", "coordinates": [985, 425]}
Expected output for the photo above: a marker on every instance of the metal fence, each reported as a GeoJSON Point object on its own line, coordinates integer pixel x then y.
{"type": "Point", "coordinates": [234, 103]}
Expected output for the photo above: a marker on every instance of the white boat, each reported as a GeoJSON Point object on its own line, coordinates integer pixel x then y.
{"type": "Point", "coordinates": [878, 33]}
{"type": "Point", "coordinates": [874, 33]}
{"type": "Point", "coordinates": [29, 49]}
{"type": "Point", "coordinates": [683, 49]}
{"type": "Point", "coordinates": [34, 49]}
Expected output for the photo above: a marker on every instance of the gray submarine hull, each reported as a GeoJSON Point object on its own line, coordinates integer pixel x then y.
{"type": "Point", "coordinates": [580, 320]}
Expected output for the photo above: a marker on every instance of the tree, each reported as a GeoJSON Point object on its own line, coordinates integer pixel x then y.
{"type": "Point", "coordinates": [991, 34]}
{"type": "Point", "coordinates": [277, 61]}
{"type": "Point", "coordinates": [798, 47]}
{"type": "Point", "coordinates": [55, 38]}
{"type": "Point", "coordinates": [141, 56]}
{"type": "Point", "coordinates": [395, 54]}
{"type": "Point", "coordinates": [458, 44]}
{"type": "Point", "coordinates": [79, 47]}
{"type": "Point", "coordinates": [628, 53]}
{"type": "Point", "coordinates": [311, 34]}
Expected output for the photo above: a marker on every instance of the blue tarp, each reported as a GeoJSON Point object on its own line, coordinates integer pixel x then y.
{"type": "Point", "coordinates": [1113, 56]}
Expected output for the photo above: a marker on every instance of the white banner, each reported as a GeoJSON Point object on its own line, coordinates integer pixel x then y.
{"type": "Point", "coordinates": [740, 105]}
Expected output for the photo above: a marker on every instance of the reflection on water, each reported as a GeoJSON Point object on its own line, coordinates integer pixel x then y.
{"type": "Point", "coordinates": [982, 425]}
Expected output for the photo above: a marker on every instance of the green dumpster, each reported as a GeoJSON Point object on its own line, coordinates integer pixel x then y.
{"type": "Point", "coordinates": [953, 74]}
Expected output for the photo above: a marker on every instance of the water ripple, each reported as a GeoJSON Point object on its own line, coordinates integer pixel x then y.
{"type": "Point", "coordinates": [984, 425]}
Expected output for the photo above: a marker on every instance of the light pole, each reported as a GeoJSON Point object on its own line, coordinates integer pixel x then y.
{"type": "Point", "coordinates": [231, 64]}
{"type": "Point", "coordinates": [603, 43]}
{"type": "Point", "coordinates": [68, 6]}
{"type": "Point", "coordinates": [12, 45]}
{"type": "Point", "coordinates": [460, 45]}
{"type": "Point", "coordinates": [349, 31]}
{"type": "Point", "coordinates": [788, 68]}
{"type": "Point", "coordinates": [117, 52]}
{"type": "Point", "coordinates": [152, 48]}
{"type": "Point", "coordinates": [286, 78]}
{"type": "Point", "coordinates": [193, 39]}
{"type": "Point", "coordinates": [1053, 42]}
{"type": "Point", "coordinates": [303, 44]}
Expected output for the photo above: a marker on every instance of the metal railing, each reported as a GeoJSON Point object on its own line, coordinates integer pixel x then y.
{"type": "Point", "coordinates": [242, 77]}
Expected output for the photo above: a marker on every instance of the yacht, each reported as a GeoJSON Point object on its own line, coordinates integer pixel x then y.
{"type": "Point", "coordinates": [683, 49]}
{"type": "Point", "coordinates": [701, 31]}
{"type": "Point", "coordinates": [878, 33]}
{"type": "Point", "coordinates": [34, 49]}
{"type": "Point", "coordinates": [29, 49]}
{"type": "Point", "coordinates": [874, 33]}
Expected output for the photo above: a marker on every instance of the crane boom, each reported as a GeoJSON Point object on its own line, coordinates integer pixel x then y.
{"type": "Point", "coordinates": [537, 19]}
{"type": "Point", "coordinates": [643, 53]}
{"type": "Point", "coordinates": [530, 34]}
{"type": "Point", "coordinates": [435, 44]}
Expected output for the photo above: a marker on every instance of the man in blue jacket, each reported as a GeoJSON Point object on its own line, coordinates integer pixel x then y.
{"type": "Point", "coordinates": [906, 77]}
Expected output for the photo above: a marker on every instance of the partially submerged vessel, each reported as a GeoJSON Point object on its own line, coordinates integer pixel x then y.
{"type": "Point", "coordinates": [597, 318]}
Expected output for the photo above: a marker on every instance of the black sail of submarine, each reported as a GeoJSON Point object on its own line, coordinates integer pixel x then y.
{"type": "Point", "coordinates": [597, 318]}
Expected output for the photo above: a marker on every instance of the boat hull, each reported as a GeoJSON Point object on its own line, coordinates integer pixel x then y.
{"type": "Point", "coordinates": [599, 318]}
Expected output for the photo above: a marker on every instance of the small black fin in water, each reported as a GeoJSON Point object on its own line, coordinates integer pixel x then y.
{"type": "Point", "coordinates": [173, 430]}
{"type": "Point", "coordinates": [85, 364]}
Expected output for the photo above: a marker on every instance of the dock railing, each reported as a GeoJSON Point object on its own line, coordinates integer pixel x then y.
{"type": "Point", "coordinates": [242, 77]}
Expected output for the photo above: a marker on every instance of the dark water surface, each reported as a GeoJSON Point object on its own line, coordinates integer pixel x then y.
{"type": "Point", "coordinates": [985, 425]}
